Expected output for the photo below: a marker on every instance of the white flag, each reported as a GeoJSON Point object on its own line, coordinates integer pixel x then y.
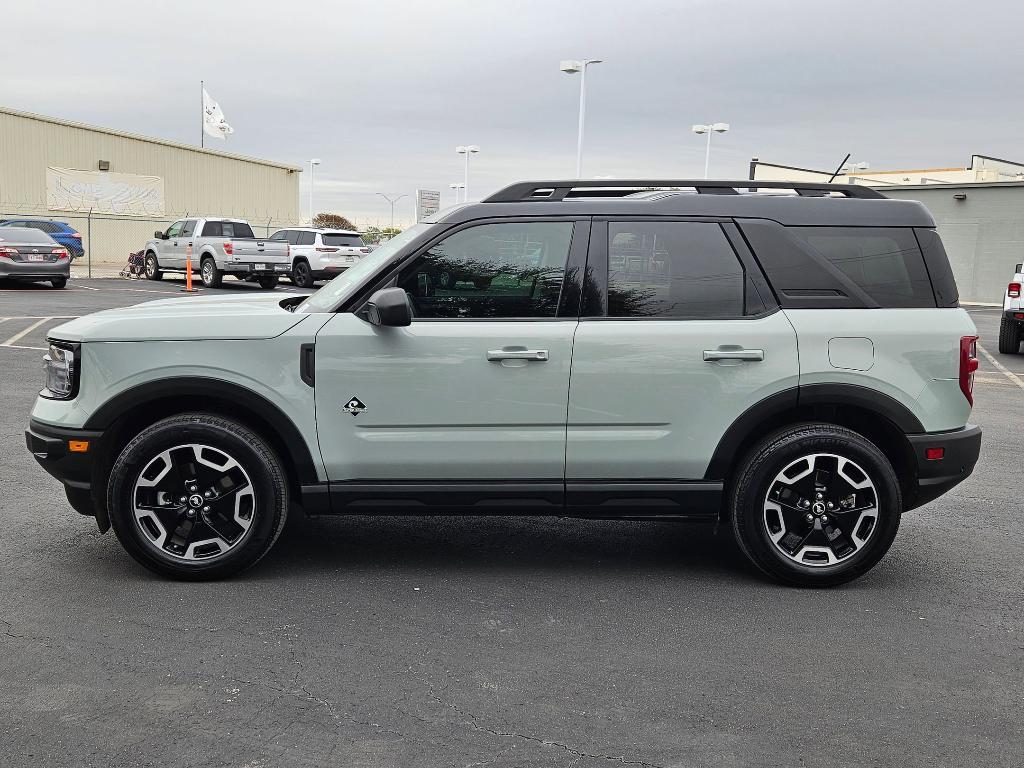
{"type": "Point", "coordinates": [214, 123]}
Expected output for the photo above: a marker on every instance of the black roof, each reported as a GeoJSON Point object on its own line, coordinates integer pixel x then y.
{"type": "Point", "coordinates": [789, 203]}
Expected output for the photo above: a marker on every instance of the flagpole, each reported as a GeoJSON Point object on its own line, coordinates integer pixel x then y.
{"type": "Point", "coordinates": [202, 117]}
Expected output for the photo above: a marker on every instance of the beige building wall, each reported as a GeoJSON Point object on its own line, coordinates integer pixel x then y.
{"type": "Point", "coordinates": [196, 182]}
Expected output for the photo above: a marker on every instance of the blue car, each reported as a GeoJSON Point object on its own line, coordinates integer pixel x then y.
{"type": "Point", "coordinates": [66, 235]}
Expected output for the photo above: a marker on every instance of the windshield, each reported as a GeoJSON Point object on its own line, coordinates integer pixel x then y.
{"type": "Point", "coordinates": [328, 297]}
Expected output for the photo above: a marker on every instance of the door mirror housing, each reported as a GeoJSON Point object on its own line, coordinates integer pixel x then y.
{"type": "Point", "coordinates": [389, 307]}
{"type": "Point", "coordinates": [159, 235]}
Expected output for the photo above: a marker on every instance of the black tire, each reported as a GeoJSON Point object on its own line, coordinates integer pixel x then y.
{"type": "Point", "coordinates": [209, 274]}
{"type": "Point", "coordinates": [153, 267]}
{"type": "Point", "coordinates": [59, 282]}
{"type": "Point", "coordinates": [1009, 336]}
{"type": "Point", "coordinates": [268, 282]}
{"type": "Point", "coordinates": [302, 275]}
{"type": "Point", "coordinates": [750, 510]}
{"type": "Point", "coordinates": [266, 491]}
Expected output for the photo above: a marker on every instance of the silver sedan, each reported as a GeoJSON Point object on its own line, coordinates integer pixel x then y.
{"type": "Point", "coordinates": [28, 254]}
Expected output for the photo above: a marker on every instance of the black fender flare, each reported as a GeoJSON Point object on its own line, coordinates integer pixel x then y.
{"type": "Point", "coordinates": [807, 395]}
{"type": "Point", "coordinates": [284, 430]}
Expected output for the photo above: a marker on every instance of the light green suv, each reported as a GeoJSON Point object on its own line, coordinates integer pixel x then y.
{"type": "Point", "coordinates": [788, 362]}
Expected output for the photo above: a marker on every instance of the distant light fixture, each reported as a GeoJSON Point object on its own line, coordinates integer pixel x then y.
{"type": "Point", "coordinates": [960, 196]}
{"type": "Point", "coordinates": [103, 165]}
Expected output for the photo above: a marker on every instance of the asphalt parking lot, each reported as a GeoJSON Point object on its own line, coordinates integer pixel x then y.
{"type": "Point", "coordinates": [504, 641]}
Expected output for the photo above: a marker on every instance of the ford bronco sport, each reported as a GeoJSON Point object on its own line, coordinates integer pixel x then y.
{"type": "Point", "coordinates": [788, 361]}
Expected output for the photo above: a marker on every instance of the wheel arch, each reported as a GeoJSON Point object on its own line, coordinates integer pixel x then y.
{"type": "Point", "coordinates": [877, 416]}
{"type": "Point", "coordinates": [125, 415]}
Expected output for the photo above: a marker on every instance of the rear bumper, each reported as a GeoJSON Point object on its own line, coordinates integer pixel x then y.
{"type": "Point", "coordinates": [960, 450]}
{"type": "Point", "coordinates": [249, 268]}
{"type": "Point", "coordinates": [34, 270]}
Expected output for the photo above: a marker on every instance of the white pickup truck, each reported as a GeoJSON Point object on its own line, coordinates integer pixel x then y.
{"type": "Point", "coordinates": [1011, 325]}
{"type": "Point", "coordinates": [218, 247]}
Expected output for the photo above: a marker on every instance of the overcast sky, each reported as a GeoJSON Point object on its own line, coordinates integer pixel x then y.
{"type": "Point", "coordinates": [383, 91]}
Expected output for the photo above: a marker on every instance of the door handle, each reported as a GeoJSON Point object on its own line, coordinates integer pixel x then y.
{"type": "Point", "coordinates": [753, 355]}
{"type": "Point", "coordinates": [536, 355]}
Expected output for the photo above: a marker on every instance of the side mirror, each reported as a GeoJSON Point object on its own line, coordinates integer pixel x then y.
{"type": "Point", "coordinates": [158, 235]}
{"type": "Point", "coordinates": [389, 307]}
{"type": "Point", "coordinates": [1020, 268]}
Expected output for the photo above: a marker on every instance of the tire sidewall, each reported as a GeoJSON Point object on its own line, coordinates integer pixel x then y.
{"type": "Point", "coordinates": [208, 265]}
{"type": "Point", "coordinates": [302, 275]}
{"type": "Point", "coordinates": [152, 267]}
{"type": "Point", "coordinates": [244, 447]}
{"type": "Point", "coordinates": [772, 456]}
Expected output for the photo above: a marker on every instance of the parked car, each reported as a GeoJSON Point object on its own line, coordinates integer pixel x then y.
{"type": "Point", "coordinates": [793, 367]}
{"type": "Point", "coordinates": [63, 233]}
{"type": "Point", "coordinates": [1011, 324]}
{"type": "Point", "coordinates": [321, 254]}
{"type": "Point", "coordinates": [219, 247]}
{"type": "Point", "coordinates": [32, 255]}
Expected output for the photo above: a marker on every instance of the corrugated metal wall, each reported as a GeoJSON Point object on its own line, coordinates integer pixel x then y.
{"type": "Point", "coordinates": [983, 233]}
{"type": "Point", "coordinates": [196, 182]}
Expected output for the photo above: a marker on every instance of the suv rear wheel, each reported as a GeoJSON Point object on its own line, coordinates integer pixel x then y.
{"type": "Point", "coordinates": [1009, 336]}
{"type": "Point", "coordinates": [197, 496]}
{"type": "Point", "coordinates": [815, 505]}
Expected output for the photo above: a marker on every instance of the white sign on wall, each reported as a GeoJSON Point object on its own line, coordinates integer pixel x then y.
{"type": "Point", "coordinates": [126, 194]}
{"type": "Point", "coordinates": [428, 202]}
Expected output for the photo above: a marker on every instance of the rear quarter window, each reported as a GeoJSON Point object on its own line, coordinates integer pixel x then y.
{"type": "Point", "coordinates": [885, 262]}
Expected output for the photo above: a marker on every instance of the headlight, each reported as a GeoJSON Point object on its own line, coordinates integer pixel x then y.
{"type": "Point", "coordinates": [60, 371]}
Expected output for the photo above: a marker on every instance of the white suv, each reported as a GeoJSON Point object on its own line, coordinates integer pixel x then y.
{"type": "Point", "coordinates": [1011, 325]}
{"type": "Point", "coordinates": [321, 254]}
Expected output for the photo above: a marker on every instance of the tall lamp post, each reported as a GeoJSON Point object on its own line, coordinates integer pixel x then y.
{"type": "Point", "coordinates": [392, 200]}
{"type": "Point", "coordinates": [456, 186]}
{"type": "Point", "coordinates": [312, 164]}
{"type": "Point", "coordinates": [709, 129]}
{"type": "Point", "coordinates": [571, 67]}
{"type": "Point", "coordinates": [467, 150]}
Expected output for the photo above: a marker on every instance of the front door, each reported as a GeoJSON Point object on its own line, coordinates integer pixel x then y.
{"type": "Point", "coordinates": [171, 251]}
{"type": "Point", "coordinates": [476, 388]}
{"type": "Point", "coordinates": [679, 344]}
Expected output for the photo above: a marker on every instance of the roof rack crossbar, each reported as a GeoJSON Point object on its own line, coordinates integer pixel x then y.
{"type": "Point", "coordinates": [554, 191]}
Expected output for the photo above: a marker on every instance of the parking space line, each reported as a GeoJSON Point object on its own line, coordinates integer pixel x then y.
{"type": "Point", "coordinates": [21, 334]}
{"type": "Point", "coordinates": [1002, 368]}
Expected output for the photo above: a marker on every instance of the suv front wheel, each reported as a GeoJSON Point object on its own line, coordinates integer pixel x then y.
{"type": "Point", "coordinates": [197, 496]}
{"type": "Point", "coordinates": [815, 505]}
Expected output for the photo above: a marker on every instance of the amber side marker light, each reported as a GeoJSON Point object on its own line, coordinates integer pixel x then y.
{"type": "Point", "coordinates": [78, 446]}
{"type": "Point", "coordinates": [934, 454]}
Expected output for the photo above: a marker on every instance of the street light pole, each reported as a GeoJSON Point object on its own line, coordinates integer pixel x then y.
{"type": "Point", "coordinates": [392, 200]}
{"type": "Point", "coordinates": [709, 129]}
{"type": "Point", "coordinates": [312, 164]}
{"type": "Point", "coordinates": [467, 150]}
{"type": "Point", "coordinates": [456, 186]}
{"type": "Point", "coordinates": [570, 67]}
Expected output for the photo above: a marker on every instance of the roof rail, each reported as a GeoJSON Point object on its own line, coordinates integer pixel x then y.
{"type": "Point", "coordinates": [554, 191]}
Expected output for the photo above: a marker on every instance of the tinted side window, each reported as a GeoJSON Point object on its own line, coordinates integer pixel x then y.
{"type": "Point", "coordinates": [885, 262]}
{"type": "Point", "coordinates": [306, 238]}
{"type": "Point", "coordinates": [935, 259]}
{"type": "Point", "coordinates": [189, 228]}
{"type": "Point", "coordinates": [280, 235]}
{"type": "Point", "coordinates": [213, 229]}
{"type": "Point", "coordinates": [672, 269]}
{"type": "Point", "coordinates": [510, 270]}
{"type": "Point", "coordinates": [293, 236]}
{"type": "Point", "coordinates": [174, 229]}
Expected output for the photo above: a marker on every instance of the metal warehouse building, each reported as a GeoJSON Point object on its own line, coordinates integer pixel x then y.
{"type": "Point", "coordinates": [116, 188]}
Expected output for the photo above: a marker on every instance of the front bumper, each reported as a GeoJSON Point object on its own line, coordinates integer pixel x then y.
{"type": "Point", "coordinates": [960, 450]}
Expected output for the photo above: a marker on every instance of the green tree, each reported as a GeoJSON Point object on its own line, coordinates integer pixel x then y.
{"type": "Point", "coordinates": [333, 221]}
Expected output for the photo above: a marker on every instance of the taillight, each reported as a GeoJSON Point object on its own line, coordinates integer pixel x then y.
{"type": "Point", "coordinates": [968, 365]}
{"type": "Point", "coordinates": [365, 250]}
{"type": "Point", "coordinates": [60, 253]}
{"type": "Point", "coordinates": [1013, 290]}
{"type": "Point", "coordinates": [327, 250]}
{"type": "Point", "coordinates": [8, 252]}
{"type": "Point", "coordinates": [229, 248]}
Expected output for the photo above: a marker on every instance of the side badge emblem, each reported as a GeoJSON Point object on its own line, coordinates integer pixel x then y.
{"type": "Point", "coordinates": [354, 406]}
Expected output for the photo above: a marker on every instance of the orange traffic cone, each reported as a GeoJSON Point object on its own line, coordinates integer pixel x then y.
{"type": "Point", "coordinates": [188, 270]}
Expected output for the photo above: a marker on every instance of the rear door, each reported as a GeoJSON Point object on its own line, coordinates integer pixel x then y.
{"type": "Point", "coordinates": [680, 338]}
{"type": "Point", "coordinates": [476, 388]}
